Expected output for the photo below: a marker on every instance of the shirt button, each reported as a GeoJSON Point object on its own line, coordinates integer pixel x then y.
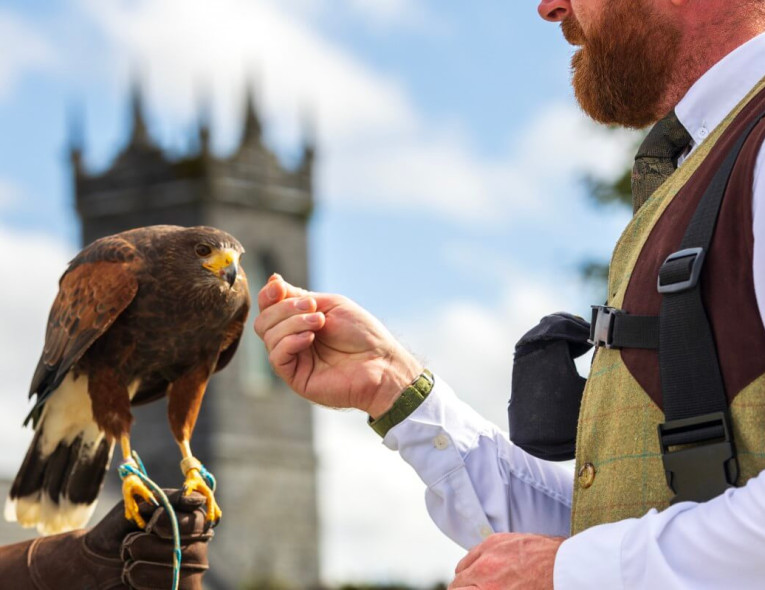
{"type": "Point", "coordinates": [485, 531]}
{"type": "Point", "coordinates": [441, 442]}
{"type": "Point", "coordinates": [586, 475]}
{"type": "Point", "coordinates": [703, 132]}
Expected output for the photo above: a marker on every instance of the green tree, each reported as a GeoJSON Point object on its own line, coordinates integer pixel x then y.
{"type": "Point", "coordinates": [607, 192]}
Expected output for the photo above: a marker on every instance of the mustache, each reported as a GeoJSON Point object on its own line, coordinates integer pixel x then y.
{"type": "Point", "coordinates": [572, 31]}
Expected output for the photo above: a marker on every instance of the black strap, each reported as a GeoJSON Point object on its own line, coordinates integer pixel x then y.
{"type": "Point", "coordinates": [691, 380]}
{"type": "Point", "coordinates": [696, 438]}
{"type": "Point", "coordinates": [615, 328]}
{"type": "Point", "coordinates": [636, 331]}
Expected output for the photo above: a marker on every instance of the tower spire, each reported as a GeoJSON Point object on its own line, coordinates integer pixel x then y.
{"type": "Point", "coordinates": [203, 125]}
{"type": "Point", "coordinates": [252, 126]}
{"type": "Point", "coordinates": [308, 124]}
{"type": "Point", "coordinates": [75, 133]}
{"type": "Point", "coordinates": [139, 133]}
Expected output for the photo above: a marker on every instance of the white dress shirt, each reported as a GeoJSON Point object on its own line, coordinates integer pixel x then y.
{"type": "Point", "coordinates": [478, 482]}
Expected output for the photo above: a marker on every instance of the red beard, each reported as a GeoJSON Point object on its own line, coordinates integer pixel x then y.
{"type": "Point", "coordinates": [624, 65]}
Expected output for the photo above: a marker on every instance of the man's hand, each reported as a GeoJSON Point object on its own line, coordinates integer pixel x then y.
{"type": "Point", "coordinates": [509, 561]}
{"type": "Point", "coordinates": [115, 554]}
{"type": "Point", "coordinates": [147, 555]}
{"type": "Point", "coordinates": [330, 350]}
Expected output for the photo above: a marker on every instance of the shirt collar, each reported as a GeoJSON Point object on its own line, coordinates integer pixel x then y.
{"type": "Point", "coordinates": [721, 88]}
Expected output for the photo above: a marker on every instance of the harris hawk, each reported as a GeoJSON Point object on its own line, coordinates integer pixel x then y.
{"type": "Point", "coordinates": [140, 315]}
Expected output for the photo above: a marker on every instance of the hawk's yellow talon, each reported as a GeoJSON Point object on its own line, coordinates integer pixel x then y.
{"type": "Point", "coordinates": [133, 486]}
{"type": "Point", "coordinates": [196, 483]}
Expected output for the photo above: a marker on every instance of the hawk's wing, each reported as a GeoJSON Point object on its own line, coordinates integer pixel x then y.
{"type": "Point", "coordinates": [99, 284]}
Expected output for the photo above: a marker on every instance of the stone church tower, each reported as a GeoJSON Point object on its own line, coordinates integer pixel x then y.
{"type": "Point", "coordinates": [254, 435]}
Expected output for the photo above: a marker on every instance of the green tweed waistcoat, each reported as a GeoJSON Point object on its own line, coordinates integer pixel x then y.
{"type": "Point", "coordinates": [619, 469]}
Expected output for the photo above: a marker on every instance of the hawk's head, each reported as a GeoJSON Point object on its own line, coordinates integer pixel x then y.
{"type": "Point", "coordinates": [209, 254]}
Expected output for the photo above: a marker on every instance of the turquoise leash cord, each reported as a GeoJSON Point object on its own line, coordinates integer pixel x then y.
{"type": "Point", "coordinates": [208, 477]}
{"type": "Point", "coordinates": [138, 470]}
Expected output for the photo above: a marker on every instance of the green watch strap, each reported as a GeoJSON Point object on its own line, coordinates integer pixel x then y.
{"type": "Point", "coordinates": [409, 400]}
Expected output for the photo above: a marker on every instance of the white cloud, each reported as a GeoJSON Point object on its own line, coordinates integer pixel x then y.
{"type": "Point", "coordinates": [427, 169]}
{"type": "Point", "coordinates": [375, 14]}
{"type": "Point", "coordinates": [25, 299]}
{"type": "Point", "coordinates": [372, 506]}
{"type": "Point", "coordinates": [184, 44]}
{"type": "Point", "coordinates": [393, 12]}
{"type": "Point", "coordinates": [471, 344]}
{"type": "Point", "coordinates": [22, 49]}
{"type": "Point", "coordinates": [412, 171]}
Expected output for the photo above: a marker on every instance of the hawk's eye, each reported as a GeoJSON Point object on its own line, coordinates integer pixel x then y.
{"type": "Point", "coordinates": [203, 250]}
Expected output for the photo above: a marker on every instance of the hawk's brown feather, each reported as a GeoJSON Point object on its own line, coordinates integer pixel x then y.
{"type": "Point", "coordinates": [91, 296]}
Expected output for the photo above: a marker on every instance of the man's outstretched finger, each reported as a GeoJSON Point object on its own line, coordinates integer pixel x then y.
{"type": "Point", "coordinates": [272, 292]}
{"type": "Point", "coordinates": [275, 290]}
{"type": "Point", "coordinates": [279, 312]}
{"type": "Point", "coordinates": [293, 325]}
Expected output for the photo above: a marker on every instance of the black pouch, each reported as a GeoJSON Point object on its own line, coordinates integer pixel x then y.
{"type": "Point", "coordinates": [547, 389]}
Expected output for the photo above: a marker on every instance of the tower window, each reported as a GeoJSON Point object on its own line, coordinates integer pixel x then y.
{"type": "Point", "coordinates": [255, 371]}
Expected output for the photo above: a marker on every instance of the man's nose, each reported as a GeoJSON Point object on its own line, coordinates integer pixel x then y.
{"type": "Point", "coordinates": [554, 10]}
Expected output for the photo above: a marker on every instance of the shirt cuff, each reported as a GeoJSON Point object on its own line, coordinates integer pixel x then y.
{"type": "Point", "coordinates": [593, 558]}
{"type": "Point", "coordinates": [442, 412]}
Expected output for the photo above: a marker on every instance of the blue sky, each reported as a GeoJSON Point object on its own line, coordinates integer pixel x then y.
{"type": "Point", "coordinates": [449, 191]}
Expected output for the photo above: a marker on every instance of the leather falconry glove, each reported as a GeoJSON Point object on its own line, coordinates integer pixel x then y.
{"type": "Point", "coordinates": [115, 554]}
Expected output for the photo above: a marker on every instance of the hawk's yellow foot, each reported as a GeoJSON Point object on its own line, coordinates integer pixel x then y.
{"type": "Point", "coordinates": [133, 486]}
{"type": "Point", "coordinates": [196, 483]}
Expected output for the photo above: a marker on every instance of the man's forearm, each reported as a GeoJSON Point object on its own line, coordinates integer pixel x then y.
{"type": "Point", "coordinates": [58, 561]}
{"type": "Point", "coordinates": [478, 483]}
{"type": "Point", "coordinates": [13, 565]}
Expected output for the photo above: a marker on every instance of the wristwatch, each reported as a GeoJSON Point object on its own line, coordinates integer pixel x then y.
{"type": "Point", "coordinates": [409, 400]}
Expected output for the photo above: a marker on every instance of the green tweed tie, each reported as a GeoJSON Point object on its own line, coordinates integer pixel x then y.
{"type": "Point", "coordinates": [656, 158]}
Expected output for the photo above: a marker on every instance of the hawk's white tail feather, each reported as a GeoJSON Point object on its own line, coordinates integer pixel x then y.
{"type": "Point", "coordinates": [58, 484]}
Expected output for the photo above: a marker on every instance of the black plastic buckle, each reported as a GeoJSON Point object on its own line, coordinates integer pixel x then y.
{"type": "Point", "coordinates": [706, 464]}
{"type": "Point", "coordinates": [602, 325]}
{"type": "Point", "coordinates": [689, 279]}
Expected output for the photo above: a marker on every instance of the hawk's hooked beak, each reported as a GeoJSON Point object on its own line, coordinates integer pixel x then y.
{"type": "Point", "coordinates": [224, 264]}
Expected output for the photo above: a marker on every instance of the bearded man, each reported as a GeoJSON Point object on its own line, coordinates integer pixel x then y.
{"type": "Point", "coordinates": [696, 69]}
